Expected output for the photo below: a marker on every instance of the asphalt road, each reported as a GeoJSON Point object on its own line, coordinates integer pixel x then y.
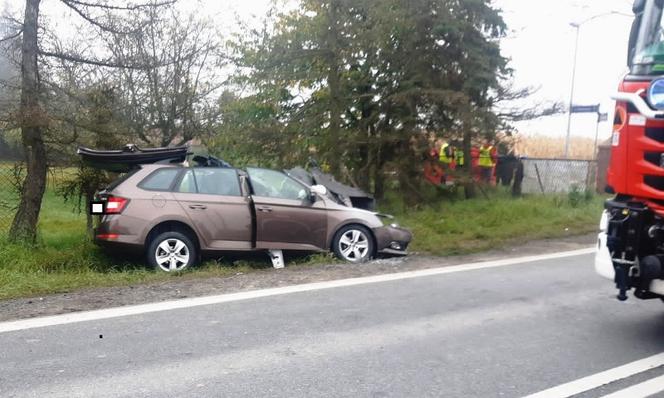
{"type": "Point", "coordinates": [499, 332]}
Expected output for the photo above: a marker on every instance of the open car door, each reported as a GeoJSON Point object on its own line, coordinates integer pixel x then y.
{"type": "Point", "coordinates": [286, 216]}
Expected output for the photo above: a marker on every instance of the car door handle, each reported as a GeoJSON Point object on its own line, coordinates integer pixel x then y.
{"type": "Point", "coordinates": [265, 209]}
{"type": "Point", "coordinates": [198, 207]}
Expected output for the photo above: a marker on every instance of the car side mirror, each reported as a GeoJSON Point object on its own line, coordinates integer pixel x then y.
{"type": "Point", "coordinates": [317, 190]}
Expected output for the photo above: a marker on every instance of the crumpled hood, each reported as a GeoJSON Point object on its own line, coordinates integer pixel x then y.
{"type": "Point", "coordinates": [345, 194]}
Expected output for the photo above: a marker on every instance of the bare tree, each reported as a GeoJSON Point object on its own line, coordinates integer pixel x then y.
{"type": "Point", "coordinates": [33, 121]}
{"type": "Point", "coordinates": [175, 100]}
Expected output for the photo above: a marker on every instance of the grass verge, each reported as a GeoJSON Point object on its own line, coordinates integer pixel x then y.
{"type": "Point", "coordinates": [64, 260]}
{"type": "Point", "coordinates": [462, 227]}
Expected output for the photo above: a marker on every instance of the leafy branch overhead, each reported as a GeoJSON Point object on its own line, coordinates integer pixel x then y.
{"type": "Point", "coordinates": [361, 84]}
{"type": "Point", "coordinates": [515, 104]}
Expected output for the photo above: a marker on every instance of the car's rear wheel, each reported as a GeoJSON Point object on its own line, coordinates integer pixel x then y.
{"type": "Point", "coordinates": [171, 251]}
{"type": "Point", "coordinates": [353, 243]}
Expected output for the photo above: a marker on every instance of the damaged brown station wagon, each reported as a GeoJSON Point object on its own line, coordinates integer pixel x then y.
{"type": "Point", "coordinates": [176, 212]}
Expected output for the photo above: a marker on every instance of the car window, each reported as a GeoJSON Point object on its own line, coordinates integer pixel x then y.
{"type": "Point", "coordinates": [275, 184]}
{"type": "Point", "coordinates": [188, 183]}
{"type": "Point", "coordinates": [121, 178]}
{"type": "Point", "coordinates": [160, 180]}
{"type": "Point", "coordinates": [217, 181]}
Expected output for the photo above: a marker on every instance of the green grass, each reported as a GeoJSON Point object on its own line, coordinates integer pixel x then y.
{"type": "Point", "coordinates": [461, 226]}
{"type": "Point", "coordinates": [64, 260]}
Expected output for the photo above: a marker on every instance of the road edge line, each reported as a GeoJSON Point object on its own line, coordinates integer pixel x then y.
{"type": "Point", "coordinates": [645, 389]}
{"type": "Point", "coordinates": [116, 312]}
{"type": "Point", "coordinates": [602, 378]}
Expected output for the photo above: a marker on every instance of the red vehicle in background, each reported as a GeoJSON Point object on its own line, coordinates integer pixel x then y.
{"type": "Point", "coordinates": [631, 240]}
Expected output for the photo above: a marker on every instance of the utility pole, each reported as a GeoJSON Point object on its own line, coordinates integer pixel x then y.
{"type": "Point", "coordinates": [571, 94]}
{"type": "Point", "coordinates": [577, 26]}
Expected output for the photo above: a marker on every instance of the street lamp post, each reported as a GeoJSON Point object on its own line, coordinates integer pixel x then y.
{"type": "Point", "coordinates": [577, 26]}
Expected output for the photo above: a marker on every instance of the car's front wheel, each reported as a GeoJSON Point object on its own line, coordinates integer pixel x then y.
{"type": "Point", "coordinates": [171, 251]}
{"type": "Point", "coordinates": [353, 243]}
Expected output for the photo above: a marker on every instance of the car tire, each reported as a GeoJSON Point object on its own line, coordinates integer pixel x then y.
{"type": "Point", "coordinates": [171, 251]}
{"type": "Point", "coordinates": [353, 243]}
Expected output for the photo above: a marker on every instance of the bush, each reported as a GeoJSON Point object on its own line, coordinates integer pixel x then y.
{"type": "Point", "coordinates": [577, 196]}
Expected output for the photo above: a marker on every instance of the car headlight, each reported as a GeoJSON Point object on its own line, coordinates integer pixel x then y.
{"type": "Point", "coordinates": [604, 222]}
{"type": "Point", "coordinates": [656, 94]}
{"type": "Point", "coordinates": [394, 225]}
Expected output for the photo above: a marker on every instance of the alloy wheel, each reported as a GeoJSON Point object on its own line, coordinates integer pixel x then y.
{"type": "Point", "coordinates": [172, 255]}
{"type": "Point", "coordinates": [354, 245]}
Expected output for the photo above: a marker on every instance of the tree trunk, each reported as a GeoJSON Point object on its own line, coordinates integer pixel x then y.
{"type": "Point", "coordinates": [367, 156]}
{"type": "Point", "coordinates": [334, 138]}
{"type": "Point", "coordinates": [362, 175]}
{"type": "Point", "coordinates": [379, 182]}
{"type": "Point", "coordinates": [89, 223]}
{"type": "Point", "coordinates": [24, 226]}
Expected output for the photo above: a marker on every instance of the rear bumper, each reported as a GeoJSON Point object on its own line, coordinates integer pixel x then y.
{"type": "Point", "coordinates": [112, 235]}
{"type": "Point", "coordinates": [392, 240]}
{"type": "Point", "coordinates": [116, 242]}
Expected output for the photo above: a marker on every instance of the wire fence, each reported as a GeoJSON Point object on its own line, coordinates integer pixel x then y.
{"type": "Point", "coordinates": [546, 176]}
{"type": "Point", "coordinates": [11, 175]}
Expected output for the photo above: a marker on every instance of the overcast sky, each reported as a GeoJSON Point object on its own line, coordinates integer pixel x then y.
{"type": "Point", "coordinates": [542, 49]}
{"type": "Point", "coordinates": [540, 45]}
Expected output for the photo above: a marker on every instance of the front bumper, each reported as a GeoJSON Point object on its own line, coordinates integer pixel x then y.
{"type": "Point", "coordinates": [603, 261]}
{"type": "Point", "coordinates": [604, 265]}
{"type": "Point", "coordinates": [628, 252]}
{"type": "Point", "coordinates": [392, 240]}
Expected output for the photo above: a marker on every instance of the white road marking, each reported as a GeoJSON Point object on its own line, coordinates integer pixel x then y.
{"type": "Point", "coordinates": [225, 298]}
{"type": "Point", "coordinates": [642, 390]}
{"type": "Point", "coordinates": [599, 379]}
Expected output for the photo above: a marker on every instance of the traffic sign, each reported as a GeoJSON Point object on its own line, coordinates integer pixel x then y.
{"type": "Point", "coordinates": [585, 108]}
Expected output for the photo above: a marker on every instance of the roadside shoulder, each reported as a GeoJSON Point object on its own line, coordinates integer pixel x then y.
{"type": "Point", "coordinates": [92, 299]}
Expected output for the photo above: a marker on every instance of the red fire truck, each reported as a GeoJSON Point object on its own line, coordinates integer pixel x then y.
{"type": "Point", "coordinates": [631, 242]}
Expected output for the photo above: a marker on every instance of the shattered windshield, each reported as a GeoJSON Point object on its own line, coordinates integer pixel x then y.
{"type": "Point", "coordinates": [275, 184]}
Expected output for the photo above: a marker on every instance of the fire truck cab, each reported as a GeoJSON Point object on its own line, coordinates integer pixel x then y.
{"type": "Point", "coordinates": [630, 248]}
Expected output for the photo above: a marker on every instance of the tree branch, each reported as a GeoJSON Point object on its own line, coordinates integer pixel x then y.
{"type": "Point", "coordinates": [94, 22]}
{"type": "Point", "coordinates": [96, 62]}
{"type": "Point", "coordinates": [11, 37]}
{"type": "Point", "coordinates": [128, 7]}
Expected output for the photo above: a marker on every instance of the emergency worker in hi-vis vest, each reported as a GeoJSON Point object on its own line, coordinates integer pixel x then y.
{"type": "Point", "coordinates": [487, 161]}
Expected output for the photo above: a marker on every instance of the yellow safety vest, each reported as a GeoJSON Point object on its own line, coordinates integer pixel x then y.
{"type": "Point", "coordinates": [485, 157]}
{"type": "Point", "coordinates": [442, 156]}
{"type": "Point", "coordinates": [458, 157]}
